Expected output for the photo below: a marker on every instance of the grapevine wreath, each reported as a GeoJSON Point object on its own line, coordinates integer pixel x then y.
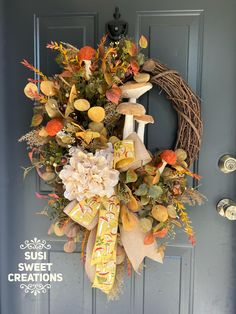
{"type": "Point", "coordinates": [109, 193]}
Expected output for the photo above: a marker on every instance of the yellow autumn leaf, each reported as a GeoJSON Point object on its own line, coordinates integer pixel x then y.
{"type": "Point", "coordinates": [36, 119]}
{"type": "Point", "coordinates": [143, 43]}
{"type": "Point", "coordinates": [108, 78]}
{"type": "Point", "coordinates": [87, 135]}
{"type": "Point", "coordinates": [73, 93]}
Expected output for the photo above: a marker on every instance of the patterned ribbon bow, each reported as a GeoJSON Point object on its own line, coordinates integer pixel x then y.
{"type": "Point", "coordinates": [104, 213]}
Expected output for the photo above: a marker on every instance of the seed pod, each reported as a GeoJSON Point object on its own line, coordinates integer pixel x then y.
{"type": "Point", "coordinates": [29, 89]}
{"type": "Point", "coordinates": [180, 154]}
{"type": "Point", "coordinates": [82, 104]}
{"type": "Point", "coordinates": [47, 88]}
{"type": "Point", "coordinates": [160, 213]}
{"type": "Point", "coordinates": [70, 246]}
{"type": "Point", "coordinates": [96, 114]}
{"type": "Point", "coordinates": [172, 211]}
{"type": "Point", "coordinates": [58, 230]}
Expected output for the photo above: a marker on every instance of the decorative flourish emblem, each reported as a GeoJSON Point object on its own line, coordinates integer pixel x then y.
{"type": "Point", "coordinates": [35, 288]}
{"type": "Point", "coordinates": [35, 244]}
{"type": "Point", "coordinates": [35, 273]}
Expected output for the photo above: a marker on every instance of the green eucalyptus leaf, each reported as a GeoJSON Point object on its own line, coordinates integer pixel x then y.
{"type": "Point", "coordinates": [131, 176]}
{"type": "Point", "coordinates": [142, 190]}
{"type": "Point", "coordinates": [145, 200]}
{"type": "Point", "coordinates": [140, 58]}
{"type": "Point", "coordinates": [144, 212]}
{"type": "Point", "coordinates": [155, 191]}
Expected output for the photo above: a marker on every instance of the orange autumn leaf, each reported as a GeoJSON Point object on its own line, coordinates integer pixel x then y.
{"type": "Point", "coordinates": [161, 234]}
{"type": "Point", "coordinates": [101, 46]}
{"type": "Point", "coordinates": [66, 73]}
{"type": "Point", "coordinates": [149, 238]}
{"type": "Point", "coordinates": [113, 94]}
{"type": "Point", "coordinates": [194, 175]}
{"type": "Point", "coordinates": [53, 126]}
{"type": "Point", "coordinates": [192, 239]}
{"type": "Point", "coordinates": [143, 43]}
{"type": "Point", "coordinates": [134, 66]}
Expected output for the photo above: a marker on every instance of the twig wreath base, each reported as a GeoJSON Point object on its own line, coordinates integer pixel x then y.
{"type": "Point", "coordinates": [185, 102]}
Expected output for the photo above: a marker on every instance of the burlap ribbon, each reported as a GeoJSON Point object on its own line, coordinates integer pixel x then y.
{"type": "Point", "coordinates": [136, 250]}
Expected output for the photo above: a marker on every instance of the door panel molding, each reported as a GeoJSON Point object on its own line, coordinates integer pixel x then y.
{"type": "Point", "coordinates": [183, 52]}
{"type": "Point", "coordinates": [174, 280]}
{"type": "Point", "coordinates": [75, 28]}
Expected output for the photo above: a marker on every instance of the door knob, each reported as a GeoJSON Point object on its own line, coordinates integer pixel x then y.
{"type": "Point", "coordinates": [227, 163]}
{"type": "Point", "coordinates": [227, 208]}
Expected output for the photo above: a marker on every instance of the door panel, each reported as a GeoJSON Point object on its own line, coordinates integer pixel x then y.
{"type": "Point", "coordinates": [77, 29]}
{"type": "Point", "coordinates": [176, 38]}
{"type": "Point", "coordinates": [196, 281]}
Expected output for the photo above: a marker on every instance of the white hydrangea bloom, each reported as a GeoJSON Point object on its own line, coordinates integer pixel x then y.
{"type": "Point", "coordinates": [89, 174]}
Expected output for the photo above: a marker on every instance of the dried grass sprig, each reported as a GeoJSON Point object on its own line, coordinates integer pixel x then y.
{"type": "Point", "coordinates": [33, 68]}
{"type": "Point", "coordinates": [118, 286]}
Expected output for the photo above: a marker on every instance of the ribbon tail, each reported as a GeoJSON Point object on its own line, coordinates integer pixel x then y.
{"type": "Point", "coordinates": [136, 250]}
{"type": "Point", "coordinates": [104, 251]}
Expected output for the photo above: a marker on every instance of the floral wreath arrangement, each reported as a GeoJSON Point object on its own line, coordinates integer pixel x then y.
{"type": "Point", "coordinates": [109, 193]}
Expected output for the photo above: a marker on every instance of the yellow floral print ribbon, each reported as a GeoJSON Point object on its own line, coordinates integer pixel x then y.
{"type": "Point", "coordinates": [104, 250]}
{"type": "Point", "coordinates": [124, 153]}
{"type": "Point", "coordinates": [84, 212]}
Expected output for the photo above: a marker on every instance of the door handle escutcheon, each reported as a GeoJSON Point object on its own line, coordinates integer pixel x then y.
{"type": "Point", "coordinates": [227, 208]}
{"type": "Point", "coordinates": [227, 163]}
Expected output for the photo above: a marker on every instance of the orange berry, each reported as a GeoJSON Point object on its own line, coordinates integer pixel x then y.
{"type": "Point", "coordinates": [53, 126]}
